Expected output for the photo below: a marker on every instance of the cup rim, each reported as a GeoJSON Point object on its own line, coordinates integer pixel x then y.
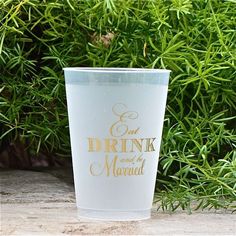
{"type": "Point", "coordinates": [115, 70]}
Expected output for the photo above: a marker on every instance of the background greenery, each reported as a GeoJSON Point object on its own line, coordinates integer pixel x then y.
{"type": "Point", "coordinates": [195, 39]}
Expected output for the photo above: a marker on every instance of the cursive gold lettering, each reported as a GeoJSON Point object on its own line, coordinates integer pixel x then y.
{"type": "Point", "coordinates": [111, 167]}
{"type": "Point", "coordinates": [96, 169]}
{"type": "Point", "coordinates": [120, 127]}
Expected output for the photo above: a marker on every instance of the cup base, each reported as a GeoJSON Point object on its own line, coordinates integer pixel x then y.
{"type": "Point", "coordinates": [114, 215]}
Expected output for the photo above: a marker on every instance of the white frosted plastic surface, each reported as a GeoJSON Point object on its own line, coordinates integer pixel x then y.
{"type": "Point", "coordinates": [95, 109]}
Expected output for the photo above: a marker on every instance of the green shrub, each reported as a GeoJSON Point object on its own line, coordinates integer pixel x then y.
{"type": "Point", "coordinates": [195, 39]}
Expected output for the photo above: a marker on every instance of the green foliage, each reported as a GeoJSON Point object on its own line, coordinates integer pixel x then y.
{"type": "Point", "coordinates": [194, 39]}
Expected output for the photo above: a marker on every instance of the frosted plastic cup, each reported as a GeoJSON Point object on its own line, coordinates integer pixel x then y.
{"type": "Point", "coordinates": [116, 119]}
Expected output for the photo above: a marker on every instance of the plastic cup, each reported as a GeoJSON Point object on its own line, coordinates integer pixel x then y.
{"type": "Point", "coordinates": [115, 118]}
